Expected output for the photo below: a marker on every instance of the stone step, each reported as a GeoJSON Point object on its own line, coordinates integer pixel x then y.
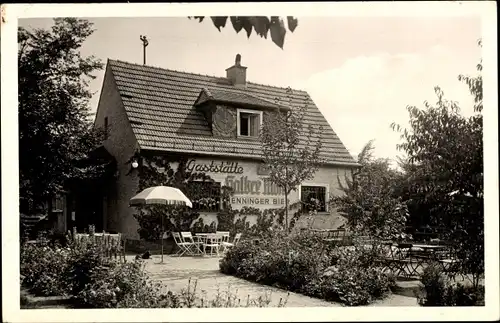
{"type": "Point", "coordinates": [32, 301]}
{"type": "Point", "coordinates": [407, 287]}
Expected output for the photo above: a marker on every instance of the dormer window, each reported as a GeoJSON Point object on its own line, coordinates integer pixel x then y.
{"type": "Point", "coordinates": [249, 122]}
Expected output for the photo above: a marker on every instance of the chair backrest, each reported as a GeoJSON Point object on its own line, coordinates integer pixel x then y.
{"type": "Point", "coordinates": [81, 239]}
{"type": "Point", "coordinates": [334, 234]}
{"type": "Point", "coordinates": [237, 238]}
{"type": "Point", "coordinates": [187, 236]}
{"type": "Point", "coordinates": [115, 240]}
{"type": "Point", "coordinates": [177, 237]}
{"type": "Point", "coordinates": [213, 238]}
{"type": "Point", "coordinates": [403, 250]}
{"type": "Point", "coordinates": [223, 235]}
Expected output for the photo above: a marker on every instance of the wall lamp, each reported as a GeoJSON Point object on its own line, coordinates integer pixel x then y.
{"type": "Point", "coordinates": [134, 163]}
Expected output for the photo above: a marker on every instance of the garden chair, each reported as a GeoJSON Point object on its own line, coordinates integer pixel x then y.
{"type": "Point", "coordinates": [184, 247]}
{"type": "Point", "coordinates": [228, 244]}
{"type": "Point", "coordinates": [450, 264]}
{"type": "Point", "coordinates": [212, 241]}
{"type": "Point", "coordinates": [224, 237]}
{"type": "Point", "coordinates": [386, 258]}
{"type": "Point", "coordinates": [337, 235]}
{"type": "Point", "coordinates": [402, 259]}
{"type": "Point", "coordinates": [116, 245]}
{"type": "Point", "coordinates": [420, 258]}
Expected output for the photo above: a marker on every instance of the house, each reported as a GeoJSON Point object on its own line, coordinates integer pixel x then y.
{"type": "Point", "coordinates": [212, 120]}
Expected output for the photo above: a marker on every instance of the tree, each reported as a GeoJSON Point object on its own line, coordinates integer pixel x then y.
{"type": "Point", "coordinates": [55, 130]}
{"type": "Point", "coordinates": [260, 24]}
{"type": "Point", "coordinates": [445, 153]}
{"type": "Point", "coordinates": [291, 151]}
{"type": "Point", "coordinates": [370, 201]}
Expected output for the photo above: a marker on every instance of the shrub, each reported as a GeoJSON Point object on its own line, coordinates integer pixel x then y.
{"type": "Point", "coordinates": [231, 262]}
{"type": "Point", "coordinates": [303, 263]}
{"type": "Point", "coordinates": [118, 285]}
{"type": "Point", "coordinates": [96, 282]}
{"type": "Point", "coordinates": [50, 270]}
{"type": "Point", "coordinates": [83, 263]}
{"type": "Point", "coordinates": [437, 291]}
{"type": "Point", "coordinates": [41, 267]}
{"type": "Point", "coordinates": [128, 286]}
{"type": "Point", "coordinates": [354, 285]}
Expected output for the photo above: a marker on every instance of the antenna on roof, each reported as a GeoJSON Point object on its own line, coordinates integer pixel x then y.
{"type": "Point", "coordinates": [145, 43]}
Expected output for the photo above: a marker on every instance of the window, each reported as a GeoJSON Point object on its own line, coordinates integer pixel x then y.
{"type": "Point", "coordinates": [249, 123]}
{"type": "Point", "coordinates": [106, 128]}
{"type": "Point", "coordinates": [313, 197]}
{"type": "Point", "coordinates": [57, 204]}
{"type": "Point", "coordinates": [57, 207]}
{"type": "Point", "coordinates": [205, 196]}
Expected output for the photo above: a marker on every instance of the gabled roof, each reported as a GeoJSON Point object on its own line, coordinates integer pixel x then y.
{"type": "Point", "coordinates": [160, 105]}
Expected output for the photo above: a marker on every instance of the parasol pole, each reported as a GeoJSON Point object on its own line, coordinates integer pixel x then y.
{"type": "Point", "coordinates": [162, 234]}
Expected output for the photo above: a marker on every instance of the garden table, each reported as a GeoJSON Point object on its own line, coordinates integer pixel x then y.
{"type": "Point", "coordinates": [212, 241]}
{"type": "Point", "coordinates": [206, 239]}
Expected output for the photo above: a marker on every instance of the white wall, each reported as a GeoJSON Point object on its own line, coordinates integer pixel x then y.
{"type": "Point", "coordinates": [259, 194]}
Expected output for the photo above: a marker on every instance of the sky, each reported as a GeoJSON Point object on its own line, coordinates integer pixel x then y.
{"type": "Point", "coordinates": [362, 72]}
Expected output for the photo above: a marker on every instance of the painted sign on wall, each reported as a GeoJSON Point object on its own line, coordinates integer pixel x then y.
{"type": "Point", "coordinates": [215, 167]}
{"type": "Point", "coordinates": [256, 191]}
{"type": "Point", "coordinates": [247, 179]}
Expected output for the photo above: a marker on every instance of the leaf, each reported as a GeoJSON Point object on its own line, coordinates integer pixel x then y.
{"type": "Point", "coordinates": [247, 25]}
{"type": "Point", "coordinates": [200, 18]}
{"type": "Point", "coordinates": [237, 23]}
{"type": "Point", "coordinates": [261, 25]}
{"type": "Point", "coordinates": [219, 22]}
{"type": "Point", "coordinates": [278, 31]}
{"type": "Point", "coordinates": [292, 23]}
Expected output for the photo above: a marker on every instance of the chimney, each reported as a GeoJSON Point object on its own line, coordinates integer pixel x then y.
{"type": "Point", "coordinates": [237, 74]}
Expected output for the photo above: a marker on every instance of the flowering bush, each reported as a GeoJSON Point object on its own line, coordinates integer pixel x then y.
{"type": "Point", "coordinates": [52, 270]}
{"type": "Point", "coordinates": [41, 267]}
{"type": "Point", "coordinates": [97, 282]}
{"type": "Point", "coordinates": [353, 285]}
{"type": "Point", "coordinates": [303, 263]}
{"type": "Point", "coordinates": [83, 263]}
{"type": "Point", "coordinates": [119, 285]}
{"type": "Point", "coordinates": [128, 286]}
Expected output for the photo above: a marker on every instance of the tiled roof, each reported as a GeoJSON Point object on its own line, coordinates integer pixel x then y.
{"type": "Point", "coordinates": [160, 107]}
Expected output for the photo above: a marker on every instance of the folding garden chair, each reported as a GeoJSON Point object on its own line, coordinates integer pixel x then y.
{"type": "Point", "coordinates": [402, 260]}
{"type": "Point", "coordinates": [223, 237]}
{"type": "Point", "coordinates": [420, 258]}
{"type": "Point", "coordinates": [116, 245]}
{"type": "Point", "coordinates": [387, 259]}
{"type": "Point", "coordinates": [212, 241]}
{"type": "Point", "coordinates": [450, 263]}
{"type": "Point", "coordinates": [228, 244]}
{"type": "Point", "coordinates": [337, 234]}
{"type": "Point", "coordinates": [184, 247]}
{"type": "Point", "coordinates": [193, 243]}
